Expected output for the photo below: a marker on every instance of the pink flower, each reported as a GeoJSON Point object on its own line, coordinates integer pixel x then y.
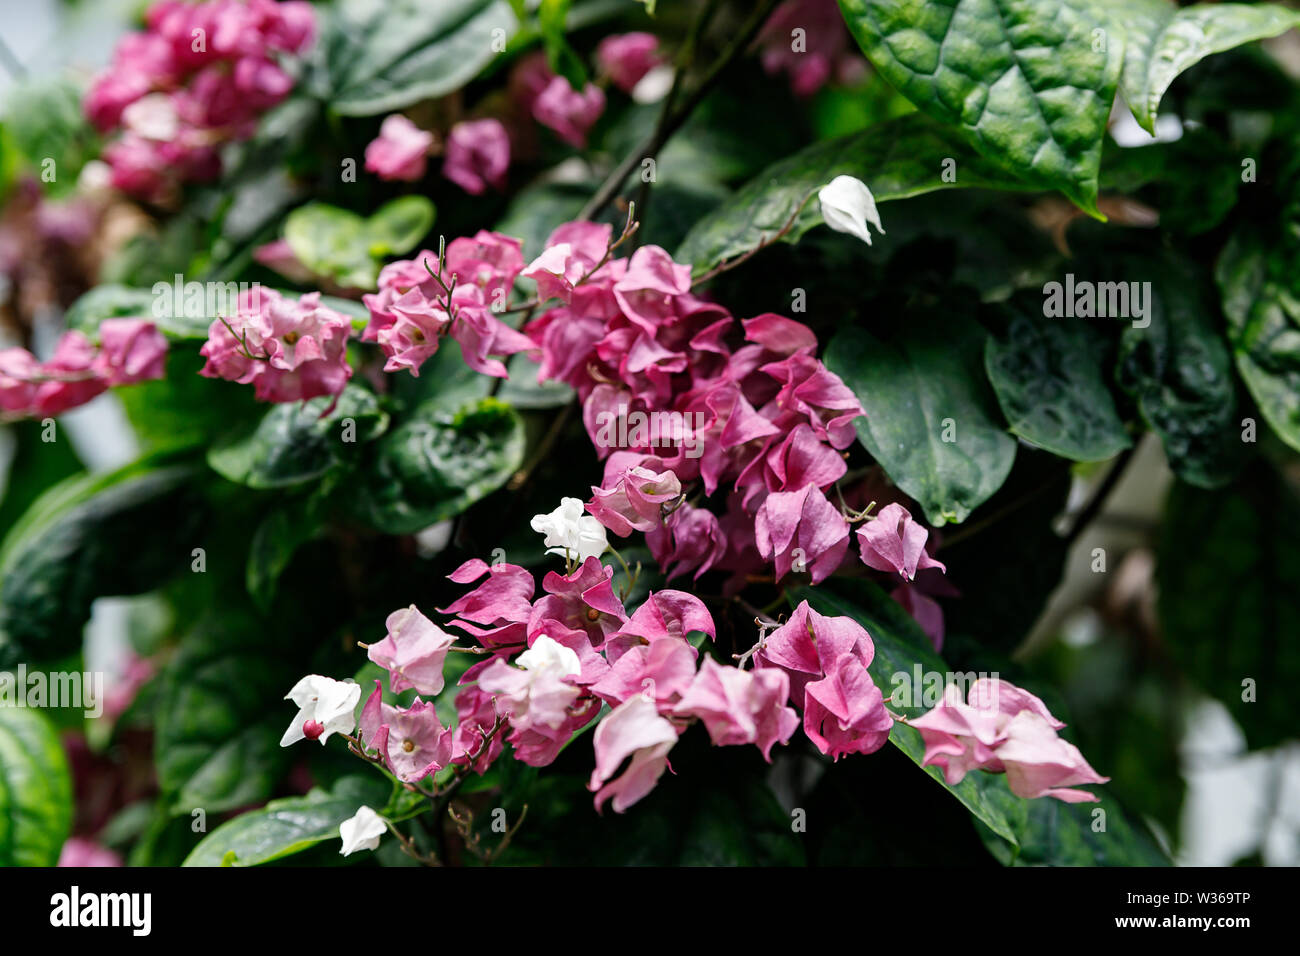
{"type": "Point", "coordinates": [646, 291]}
{"type": "Point", "coordinates": [801, 529]}
{"type": "Point", "coordinates": [741, 707]}
{"type": "Point", "coordinates": [625, 58]}
{"type": "Point", "coordinates": [18, 369]}
{"type": "Point", "coordinates": [661, 670]}
{"type": "Point", "coordinates": [75, 380]}
{"type": "Point", "coordinates": [537, 694]}
{"type": "Point", "coordinates": [825, 45]}
{"type": "Point", "coordinates": [569, 112]}
{"type": "Point", "coordinates": [80, 852]}
{"type": "Point", "coordinates": [673, 614]}
{"type": "Point", "coordinates": [298, 349]}
{"type": "Point", "coordinates": [478, 155]}
{"type": "Point", "coordinates": [413, 652]}
{"type": "Point", "coordinates": [635, 500]}
{"type": "Point", "coordinates": [924, 609]}
{"type": "Point", "coordinates": [826, 659]}
{"type": "Point", "coordinates": [892, 541]}
{"type": "Point", "coordinates": [489, 261]}
{"type": "Point", "coordinates": [572, 251]}
{"type": "Point", "coordinates": [632, 729]}
{"type": "Point", "coordinates": [400, 151]}
{"type": "Point", "coordinates": [412, 741]}
{"type": "Point", "coordinates": [1004, 729]}
{"type": "Point", "coordinates": [476, 714]}
{"type": "Point", "coordinates": [130, 351]}
{"type": "Point", "coordinates": [691, 539]}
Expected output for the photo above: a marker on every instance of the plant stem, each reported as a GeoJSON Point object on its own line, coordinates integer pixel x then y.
{"type": "Point", "coordinates": [650, 147]}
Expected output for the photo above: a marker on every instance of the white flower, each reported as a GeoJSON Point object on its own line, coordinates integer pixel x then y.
{"type": "Point", "coordinates": [362, 832]}
{"type": "Point", "coordinates": [847, 206]}
{"type": "Point", "coordinates": [571, 532]}
{"type": "Point", "coordinates": [330, 705]}
{"type": "Point", "coordinates": [548, 654]}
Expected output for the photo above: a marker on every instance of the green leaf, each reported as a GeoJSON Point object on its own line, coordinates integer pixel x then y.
{"type": "Point", "coordinates": [349, 248]}
{"type": "Point", "coordinates": [296, 442]}
{"type": "Point", "coordinates": [901, 648]}
{"type": "Point", "coordinates": [1228, 563]}
{"type": "Point", "coordinates": [288, 826]}
{"type": "Point", "coordinates": [901, 158]}
{"type": "Point", "coordinates": [1053, 833]}
{"type": "Point", "coordinates": [217, 740]}
{"type": "Point", "coordinates": [45, 126]}
{"type": "Point", "coordinates": [398, 226]}
{"type": "Point", "coordinates": [274, 542]}
{"type": "Point", "coordinates": [437, 464]}
{"type": "Point", "coordinates": [931, 419]}
{"type": "Point", "coordinates": [385, 56]}
{"type": "Point", "coordinates": [35, 789]}
{"type": "Point", "coordinates": [1259, 279]}
{"type": "Point", "coordinates": [1029, 82]}
{"type": "Point", "coordinates": [92, 536]}
{"type": "Point", "coordinates": [1162, 40]}
{"type": "Point", "coordinates": [1180, 373]}
{"type": "Point", "coordinates": [1047, 375]}
{"type": "Point", "coordinates": [551, 16]}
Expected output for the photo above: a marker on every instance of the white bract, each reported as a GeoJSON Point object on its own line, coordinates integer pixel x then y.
{"type": "Point", "coordinates": [570, 532]}
{"type": "Point", "coordinates": [152, 117]}
{"type": "Point", "coordinates": [848, 206]}
{"type": "Point", "coordinates": [362, 832]}
{"type": "Point", "coordinates": [548, 654]}
{"type": "Point", "coordinates": [324, 701]}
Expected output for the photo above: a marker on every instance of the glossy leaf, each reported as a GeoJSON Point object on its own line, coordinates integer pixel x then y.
{"type": "Point", "coordinates": [35, 787]}
{"type": "Point", "coordinates": [1029, 83]}
{"type": "Point", "coordinates": [931, 418]}
{"type": "Point", "coordinates": [901, 158]}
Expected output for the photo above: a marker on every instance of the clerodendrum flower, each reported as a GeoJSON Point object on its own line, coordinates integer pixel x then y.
{"type": "Point", "coordinates": [362, 831]}
{"type": "Point", "coordinates": [325, 706]}
{"type": "Point", "coordinates": [571, 532]}
{"type": "Point", "coordinates": [847, 206]}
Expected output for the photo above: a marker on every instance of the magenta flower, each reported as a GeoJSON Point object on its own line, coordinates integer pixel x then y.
{"type": "Point", "coordinates": [401, 151]}
{"type": "Point", "coordinates": [826, 659]}
{"type": "Point", "coordinates": [289, 351]}
{"type": "Point", "coordinates": [892, 541]}
{"type": "Point", "coordinates": [80, 851]}
{"type": "Point", "coordinates": [635, 500]}
{"type": "Point", "coordinates": [626, 57]}
{"type": "Point", "coordinates": [569, 112]}
{"type": "Point", "coordinates": [661, 670]}
{"type": "Point", "coordinates": [572, 251]}
{"type": "Point", "coordinates": [1004, 729]}
{"type": "Point", "coordinates": [741, 707]}
{"type": "Point", "coordinates": [130, 351]}
{"type": "Point", "coordinates": [691, 539]}
{"type": "Point", "coordinates": [413, 652]}
{"type": "Point", "coordinates": [478, 155]}
{"type": "Point", "coordinates": [801, 530]}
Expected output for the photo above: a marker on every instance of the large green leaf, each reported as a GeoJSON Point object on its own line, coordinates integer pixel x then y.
{"type": "Point", "coordinates": [437, 464]}
{"type": "Point", "coordinates": [288, 826]}
{"type": "Point", "coordinates": [1047, 374]}
{"type": "Point", "coordinates": [897, 159]}
{"type": "Point", "coordinates": [1229, 560]}
{"type": "Point", "coordinates": [217, 742]}
{"type": "Point", "coordinates": [296, 442]}
{"type": "Point", "coordinates": [35, 790]}
{"type": "Point", "coordinates": [1259, 278]}
{"type": "Point", "coordinates": [1029, 82]}
{"type": "Point", "coordinates": [384, 55]}
{"type": "Point", "coordinates": [124, 532]}
{"type": "Point", "coordinates": [931, 419]}
{"type": "Point", "coordinates": [348, 248]}
{"type": "Point", "coordinates": [1180, 373]}
{"type": "Point", "coordinates": [1162, 40]}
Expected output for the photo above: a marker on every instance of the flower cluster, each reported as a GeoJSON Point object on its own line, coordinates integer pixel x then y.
{"type": "Point", "coordinates": [200, 75]}
{"type": "Point", "coordinates": [289, 351]}
{"type": "Point", "coordinates": [675, 391]}
{"type": "Point", "coordinates": [129, 351]}
{"type": "Point", "coordinates": [1003, 729]}
{"type": "Point", "coordinates": [422, 299]}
